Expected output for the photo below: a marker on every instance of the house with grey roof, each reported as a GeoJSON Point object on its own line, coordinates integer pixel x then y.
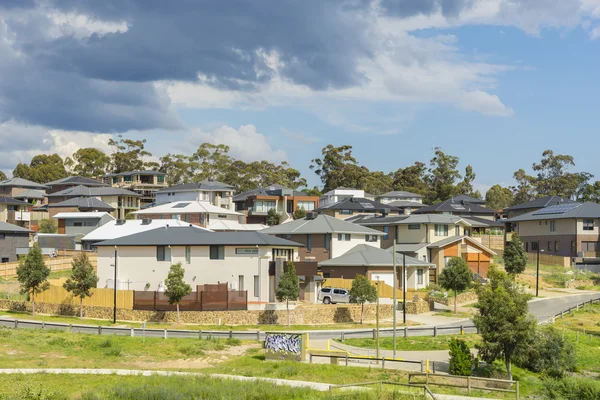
{"type": "Point", "coordinates": [12, 237]}
{"type": "Point", "coordinates": [122, 200]}
{"type": "Point", "coordinates": [14, 211]}
{"type": "Point", "coordinates": [71, 181]}
{"type": "Point", "coordinates": [461, 208]}
{"type": "Point", "coordinates": [348, 207]}
{"type": "Point", "coordinates": [343, 193]}
{"type": "Point", "coordinates": [145, 183]}
{"type": "Point", "coordinates": [241, 259]}
{"type": "Point", "coordinates": [216, 193]}
{"type": "Point", "coordinates": [78, 204]}
{"type": "Point", "coordinates": [377, 265]}
{"type": "Point", "coordinates": [405, 201]}
{"type": "Point", "coordinates": [568, 229]}
{"type": "Point", "coordinates": [534, 205]}
{"type": "Point", "coordinates": [78, 224]}
{"type": "Point", "coordinates": [15, 186]}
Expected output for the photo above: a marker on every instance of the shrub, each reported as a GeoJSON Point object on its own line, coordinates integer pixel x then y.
{"type": "Point", "coordinates": [571, 389]}
{"type": "Point", "coordinates": [461, 360]}
{"type": "Point", "coordinates": [233, 342]}
{"type": "Point", "coordinates": [113, 352]}
{"type": "Point", "coordinates": [191, 350]}
{"type": "Point", "coordinates": [548, 352]}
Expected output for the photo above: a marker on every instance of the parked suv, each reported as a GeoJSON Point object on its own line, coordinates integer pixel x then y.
{"type": "Point", "coordinates": [329, 295]}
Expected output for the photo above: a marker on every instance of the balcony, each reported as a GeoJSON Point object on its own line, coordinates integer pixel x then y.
{"type": "Point", "coordinates": [22, 216]}
{"type": "Point", "coordinates": [260, 210]}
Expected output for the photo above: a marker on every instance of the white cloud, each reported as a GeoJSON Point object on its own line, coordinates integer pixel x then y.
{"type": "Point", "coordinates": [595, 33]}
{"type": "Point", "coordinates": [299, 136]}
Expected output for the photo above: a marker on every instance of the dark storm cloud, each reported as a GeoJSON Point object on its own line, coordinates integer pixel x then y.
{"type": "Point", "coordinates": [409, 8]}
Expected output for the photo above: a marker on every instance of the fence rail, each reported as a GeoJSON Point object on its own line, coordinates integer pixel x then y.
{"type": "Point", "coordinates": [465, 382]}
{"type": "Point", "coordinates": [60, 263]}
{"type": "Point", "coordinates": [381, 384]}
{"type": "Point", "coordinates": [549, 259]}
{"type": "Point", "coordinates": [576, 308]}
{"type": "Point", "coordinates": [100, 297]}
{"type": "Point", "coordinates": [206, 298]}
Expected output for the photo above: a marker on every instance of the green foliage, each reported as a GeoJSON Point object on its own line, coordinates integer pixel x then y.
{"type": "Point", "coordinates": [498, 197]}
{"type": "Point", "coordinates": [312, 192]}
{"type": "Point", "coordinates": [83, 278]}
{"type": "Point", "coordinates": [571, 389]}
{"type": "Point", "coordinates": [288, 287]}
{"type": "Point", "coordinates": [503, 319]}
{"type": "Point", "coordinates": [273, 217]}
{"type": "Point", "coordinates": [412, 179]}
{"type": "Point", "coordinates": [130, 216]}
{"type": "Point", "coordinates": [47, 225]}
{"type": "Point", "coordinates": [456, 276]}
{"type": "Point", "coordinates": [177, 288]}
{"type": "Point", "coordinates": [461, 360]}
{"type": "Point", "coordinates": [362, 291]}
{"type": "Point", "coordinates": [443, 172]}
{"type": "Point", "coordinates": [548, 352]}
{"type": "Point", "coordinates": [32, 273]}
{"type": "Point", "coordinates": [3, 176]}
{"type": "Point", "coordinates": [128, 155]}
{"type": "Point", "coordinates": [42, 168]}
{"type": "Point", "coordinates": [515, 257]}
{"type": "Point", "coordinates": [299, 213]}
{"type": "Point", "coordinates": [466, 186]}
{"type": "Point", "coordinates": [89, 162]}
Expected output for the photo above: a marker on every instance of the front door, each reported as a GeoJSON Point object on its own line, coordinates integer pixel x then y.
{"type": "Point", "coordinates": [290, 206]}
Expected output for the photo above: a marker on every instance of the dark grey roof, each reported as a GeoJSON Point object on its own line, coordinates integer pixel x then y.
{"type": "Point", "coordinates": [478, 222]}
{"type": "Point", "coordinates": [204, 185]}
{"type": "Point", "coordinates": [468, 199]}
{"type": "Point", "coordinates": [83, 202]}
{"type": "Point", "coordinates": [406, 203]}
{"type": "Point", "coordinates": [30, 194]}
{"type": "Point", "coordinates": [75, 181]}
{"type": "Point", "coordinates": [144, 172]}
{"type": "Point", "coordinates": [455, 207]}
{"type": "Point", "coordinates": [84, 191]}
{"type": "Point", "coordinates": [366, 255]}
{"type": "Point", "coordinates": [191, 236]}
{"type": "Point", "coordinates": [6, 228]}
{"type": "Point", "coordinates": [400, 194]}
{"type": "Point", "coordinates": [540, 203]}
{"type": "Point", "coordinates": [11, 201]}
{"type": "Point", "coordinates": [320, 225]}
{"type": "Point", "coordinates": [561, 211]}
{"type": "Point", "coordinates": [271, 190]}
{"type": "Point", "coordinates": [23, 183]}
{"type": "Point", "coordinates": [359, 204]}
{"type": "Point", "coordinates": [409, 247]}
{"type": "Point", "coordinates": [454, 239]}
{"type": "Point", "coordinates": [408, 219]}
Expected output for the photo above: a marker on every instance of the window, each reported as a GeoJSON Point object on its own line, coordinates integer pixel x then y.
{"type": "Point", "coordinates": [127, 179]}
{"type": "Point", "coordinates": [308, 242]}
{"type": "Point", "coordinates": [590, 246]}
{"type": "Point", "coordinates": [534, 246]}
{"type": "Point", "coordinates": [441, 230]}
{"type": "Point", "coordinates": [2, 236]}
{"type": "Point", "coordinates": [419, 276]}
{"type": "Point", "coordinates": [217, 252]}
{"type": "Point", "coordinates": [370, 238]}
{"type": "Point", "coordinates": [588, 224]}
{"type": "Point", "coordinates": [160, 179]}
{"type": "Point", "coordinates": [549, 246]}
{"type": "Point", "coordinates": [414, 227]}
{"type": "Point", "coordinates": [327, 241]}
{"type": "Point", "coordinates": [307, 205]}
{"type": "Point", "coordinates": [77, 224]}
{"type": "Point", "coordinates": [346, 212]}
{"type": "Point", "coordinates": [526, 246]}
{"type": "Point", "coordinates": [256, 284]}
{"type": "Point", "coordinates": [552, 226]}
{"type": "Point", "coordinates": [222, 216]}
{"type": "Point", "coordinates": [163, 253]}
{"type": "Point", "coordinates": [241, 282]}
{"type": "Point", "coordinates": [457, 230]}
{"type": "Point", "coordinates": [347, 237]}
{"type": "Point", "coordinates": [263, 206]}
{"type": "Point", "coordinates": [573, 246]}
{"type": "Point", "coordinates": [188, 254]}
{"type": "Point", "coordinates": [326, 275]}
{"type": "Point", "coordinates": [556, 245]}
{"type": "Point", "coordinates": [344, 237]}
{"type": "Point", "coordinates": [253, 251]}
{"type": "Point", "coordinates": [386, 230]}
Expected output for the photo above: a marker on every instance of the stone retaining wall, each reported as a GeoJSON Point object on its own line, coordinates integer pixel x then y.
{"type": "Point", "coordinates": [419, 307]}
{"type": "Point", "coordinates": [574, 284]}
{"type": "Point", "coordinates": [466, 297]}
{"type": "Point", "coordinates": [302, 315]}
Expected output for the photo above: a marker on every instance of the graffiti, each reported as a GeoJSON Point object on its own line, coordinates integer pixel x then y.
{"type": "Point", "coordinates": [283, 342]}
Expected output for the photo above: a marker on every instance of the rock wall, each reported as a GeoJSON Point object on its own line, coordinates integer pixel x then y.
{"type": "Point", "coordinates": [418, 307]}
{"type": "Point", "coordinates": [574, 284]}
{"type": "Point", "coordinates": [302, 315]}
{"type": "Point", "coordinates": [466, 297]}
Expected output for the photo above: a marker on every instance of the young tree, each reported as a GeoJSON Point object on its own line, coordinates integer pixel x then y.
{"type": "Point", "coordinates": [503, 320]}
{"type": "Point", "coordinates": [299, 213]}
{"type": "Point", "coordinates": [466, 185]}
{"type": "Point", "coordinates": [47, 225]}
{"type": "Point", "coordinates": [32, 274]}
{"type": "Point", "coordinates": [3, 176]}
{"type": "Point", "coordinates": [288, 287]}
{"type": "Point", "coordinates": [272, 217]}
{"type": "Point", "coordinates": [515, 257]}
{"type": "Point", "coordinates": [362, 291]}
{"type": "Point", "coordinates": [456, 276]}
{"type": "Point", "coordinates": [83, 279]}
{"type": "Point", "coordinates": [177, 288]}
{"type": "Point", "coordinates": [461, 360]}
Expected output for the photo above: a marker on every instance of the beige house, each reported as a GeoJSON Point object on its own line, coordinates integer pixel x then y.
{"type": "Point", "coordinates": [145, 183]}
{"type": "Point", "coordinates": [218, 194]}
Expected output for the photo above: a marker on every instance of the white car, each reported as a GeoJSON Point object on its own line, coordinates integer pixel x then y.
{"type": "Point", "coordinates": [329, 295]}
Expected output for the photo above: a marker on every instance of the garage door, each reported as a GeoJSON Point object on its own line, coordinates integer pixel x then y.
{"type": "Point", "coordinates": [386, 277]}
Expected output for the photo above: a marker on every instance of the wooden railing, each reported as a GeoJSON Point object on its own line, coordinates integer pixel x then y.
{"type": "Point", "coordinates": [549, 259]}
{"type": "Point", "coordinates": [60, 263]}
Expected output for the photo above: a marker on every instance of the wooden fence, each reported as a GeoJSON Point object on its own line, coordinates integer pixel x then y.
{"type": "Point", "coordinates": [549, 259]}
{"type": "Point", "coordinates": [383, 289]}
{"type": "Point", "coordinates": [205, 298]}
{"type": "Point", "coordinates": [494, 242]}
{"type": "Point", "coordinates": [60, 263]}
{"type": "Point", "coordinates": [100, 298]}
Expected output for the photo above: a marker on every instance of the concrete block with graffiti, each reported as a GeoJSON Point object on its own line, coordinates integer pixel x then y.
{"type": "Point", "coordinates": [285, 346]}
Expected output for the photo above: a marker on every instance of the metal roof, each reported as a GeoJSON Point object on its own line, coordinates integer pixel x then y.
{"type": "Point", "coordinates": [359, 204]}
{"type": "Point", "coordinates": [84, 191]}
{"type": "Point", "coordinates": [192, 236]}
{"type": "Point", "coordinates": [408, 247]}
{"type": "Point", "coordinates": [24, 183]}
{"type": "Point", "coordinates": [30, 194]}
{"type": "Point", "coordinates": [206, 185]}
{"type": "Point", "coordinates": [540, 203]}
{"type": "Point", "coordinates": [411, 219]}
{"type": "Point", "coordinates": [83, 202]}
{"type": "Point", "coordinates": [10, 228]}
{"type": "Point", "coordinates": [400, 194]}
{"type": "Point", "coordinates": [229, 225]}
{"type": "Point", "coordinates": [76, 180]}
{"type": "Point", "coordinates": [11, 201]}
{"type": "Point", "coordinates": [82, 215]}
{"type": "Point", "coordinates": [478, 222]}
{"type": "Point", "coordinates": [468, 199]}
{"type": "Point", "coordinates": [406, 203]}
{"type": "Point", "coordinates": [454, 239]}
{"type": "Point", "coordinates": [319, 225]}
{"type": "Point", "coordinates": [366, 255]}
{"type": "Point", "coordinates": [271, 190]}
{"type": "Point", "coordinates": [457, 207]}
{"type": "Point", "coordinates": [127, 173]}
{"type": "Point", "coordinates": [115, 229]}
{"type": "Point", "coordinates": [578, 210]}
{"type": "Point", "coordinates": [186, 207]}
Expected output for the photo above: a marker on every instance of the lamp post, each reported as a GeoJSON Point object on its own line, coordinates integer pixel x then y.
{"type": "Point", "coordinates": [377, 321]}
{"type": "Point", "coordinates": [404, 289]}
{"type": "Point", "coordinates": [115, 291]}
{"type": "Point", "coordinates": [395, 300]}
{"type": "Point", "coordinates": [537, 269]}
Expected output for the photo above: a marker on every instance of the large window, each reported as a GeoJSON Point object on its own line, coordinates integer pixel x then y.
{"type": "Point", "coordinates": [414, 227]}
{"type": "Point", "coordinates": [217, 252]}
{"type": "Point", "coordinates": [188, 254]}
{"type": "Point", "coordinates": [590, 246]}
{"type": "Point", "coordinates": [163, 253]}
{"type": "Point", "coordinates": [256, 286]}
{"type": "Point", "coordinates": [344, 237]}
{"type": "Point", "coordinates": [534, 246]}
{"type": "Point", "coordinates": [160, 179]}
{"type": "Point", "coordinates": [346, 212]}
{"type": "Point", "coordinates": [419, 276]}
{"type": "Point", "coordinates": [308, 242]}
{"type": "Point", "coordinates": [263, 206]}
{"type": "Point", "coordinates": [386, 230]}
{"type": "Point", "coordinates": [307, 205]}
{"type": "Point", "coordinates": [552, 226]}
{"type": "Point", "coordinates": [588, 224]}
{"type": "Point", "coordinates": [441, 230]}
{"type": "Point", "coordinates": [327, 241]}
{"type": "Point", "coordinates": [370, 238]}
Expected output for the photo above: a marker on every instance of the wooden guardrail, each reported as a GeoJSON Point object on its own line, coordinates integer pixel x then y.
{"type": "Point", "coordinates": [466, 382]}
{"type": "Point", "coordinates": [380, 384]}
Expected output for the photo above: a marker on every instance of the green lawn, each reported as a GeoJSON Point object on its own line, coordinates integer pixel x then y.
{"type": "Point", "coordinates": [452, 314]}
{"type": "Point", "coordinates": [413, 343]}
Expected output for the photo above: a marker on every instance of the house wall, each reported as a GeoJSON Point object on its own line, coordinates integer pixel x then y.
{"type": "Point", "coordinates": [339, 247]}
{"type": "Point", "coordinates": [137, 265]}
{"type": "Point", "coordinates": [317, 253]}
{"type": "Point", "coordinates": [192, 218]}
{"type": "Point", "coordinates": [406, 235]}
{"type": "Point", "coordinates": [542, 228]}
{"type": "Point", "coordinates": [8, 245]}
{"type": "Point", "coordinates": [412, 277]}
{"type": "Point", "coordinates": [222, 198]}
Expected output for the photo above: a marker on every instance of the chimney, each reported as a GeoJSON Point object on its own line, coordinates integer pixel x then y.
{"type": "Point", "coordinates": [120, 222]}
{"type": "Point", "coordinates": [385, 212]}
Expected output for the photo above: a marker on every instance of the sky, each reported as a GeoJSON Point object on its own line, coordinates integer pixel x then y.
{"type": "Point", "coordinates": [494, 82]}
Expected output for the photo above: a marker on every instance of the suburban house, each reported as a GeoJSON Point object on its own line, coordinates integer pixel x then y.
{"type": "Point", "coordinates": [346, 208]}
{"type": "Point", "coordinates": [77, 204]}
{"type": "Point", "coordinates": [16, 186]}
{"type": "Point", "coordinates": [377, 265]}
{"type": "Point", "coordinates": [568, 229]}
{"type": "Point", "coordinates": [114, 229]}
{"type": "Point", "coordinates": [241, 259]}
{"type": "Point", "coordinates": [216, 193]}
{"type": "Point", "coordinates": [405, 201]}
{"type": "Point", "coordinates": [32, 196]}
{"type": "Point", "coordinates": [144, 183]}
{"type": "Point", "coordinates": [534, 205]}
{"type": "Point", "coordinates": [461, 208]}
{"type": "Point", "coordinates": [79, 224]}
{"type": "Point", "coordinates": [71, 181]}
{"type": "Point", "coordinates": [343, 193]}
{"type": "Point", "coordinates": [12, 237]}
{"type": "Point", "coordinates": [122, 200]}
{"type": "Point", "coordinates": [256, 204]}
{"type": "Point", "coordinates": [200, 213]}
{"type": "Point", "coordinates": [433, 238]}
{"type": "Point", "coordinates": [14, 211]}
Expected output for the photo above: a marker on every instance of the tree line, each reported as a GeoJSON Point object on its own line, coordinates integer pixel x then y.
{"type": "Point", "coordinates": [436, 180]}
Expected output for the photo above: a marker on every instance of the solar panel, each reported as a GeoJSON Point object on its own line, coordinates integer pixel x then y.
{"type": "Point", "coordinates": [181, 205]}
{"type": "Point", "coordinates": [457, 206]}
{"type": "Point", "coordinates": [367, 205]}
{"type": "Point", "coordinates": [559, 209]}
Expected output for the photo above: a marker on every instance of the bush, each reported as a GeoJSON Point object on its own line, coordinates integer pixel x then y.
{"type": "Point", "coordinates": [571, 389]}
{"type": "Point", "coordinates": [461, 360]}
{"type": "Point", "coordinates": [548, 352]}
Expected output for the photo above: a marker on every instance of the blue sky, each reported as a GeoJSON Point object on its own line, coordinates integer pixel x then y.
{"type": "Point", "coordinates": [494, 82]}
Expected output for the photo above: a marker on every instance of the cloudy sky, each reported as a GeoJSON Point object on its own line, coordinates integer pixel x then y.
{"type": "Point", "coordinates": [494, 82]}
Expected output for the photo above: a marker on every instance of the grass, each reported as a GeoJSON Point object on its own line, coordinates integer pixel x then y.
{"type": "Point", "coordinates": [452, 314]}
{"type": "Point", "coordinates": [414, 343]}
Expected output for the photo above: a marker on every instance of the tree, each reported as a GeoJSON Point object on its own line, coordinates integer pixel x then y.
{"type": "Point", "coordinates": [299, 213]}
{"type": "Point", "coordinates": [498, 197]}
{"type": "Point", "coordinates": [412, 179]}
{"type": "Point", "coordinates": [177, 288]}
{"type": "Point", "coordinates": [273, 217]}
{"type": "Point", "coordinates": [312, 192]}
{"type": "Point", "coordinates": [362, 291]}
{"type": "Point", "coordinates": [178, 167]}
{"type": "Point", "coordinates": [547, 353]}
{"type": "Point", "coordinates": [288, 287]}
{"type": "Point", "coordinates": [515, 257]}
{"type": "Point", "coordinates": [525, 189]}
{"type": "Point", "coordinates": [21, 171]}
{"type": "Point", "coordinates": [503, 319]}
{"type": "Point", "coordinates": [42, 168]}
{"type": "Point", "coordinates": [212, 160]}
{"type": "Point", "coordinates": [333, 168]}
{"type": "Point", "coordinates": [89, 162]}
{"type": "Point", "coordinates": [128, 155]}
{"type": "Point", "coordinates": [47, 225]}
{"type": "Point", "coordinates": [83, 279]}
{"type": "Point", "coordinates": [456, 276]}
{"type": "Point", "coordinates": [32, 274]}
{"type": "Point", "coordinates": [466, 186]}
{"type": "Point", "coordinates": [3, 176]}
{"type": "Point", "coordinates": [461, 360]}
{"type": "Point", "coordinates": [376, 182]}
{"type": "Point", "coordinates": [443, 173]}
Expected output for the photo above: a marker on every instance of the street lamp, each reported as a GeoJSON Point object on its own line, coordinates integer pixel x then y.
{"type": "Point", "coordinates": [115, 291]}
{"type": "Point", "coordinates": [537, 269]}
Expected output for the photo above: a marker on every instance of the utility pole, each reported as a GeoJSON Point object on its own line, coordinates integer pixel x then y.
{"type": "Point", "coordinates": [537, 270]}
{"type": "Point", "coordinates": [404, 289]}
{"type": "Point", "coordinates": [115, 291]}
{"type": "Point", "coordinates": [377, 321]}
{"type": "Point", "coordinates": [395, 300]}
